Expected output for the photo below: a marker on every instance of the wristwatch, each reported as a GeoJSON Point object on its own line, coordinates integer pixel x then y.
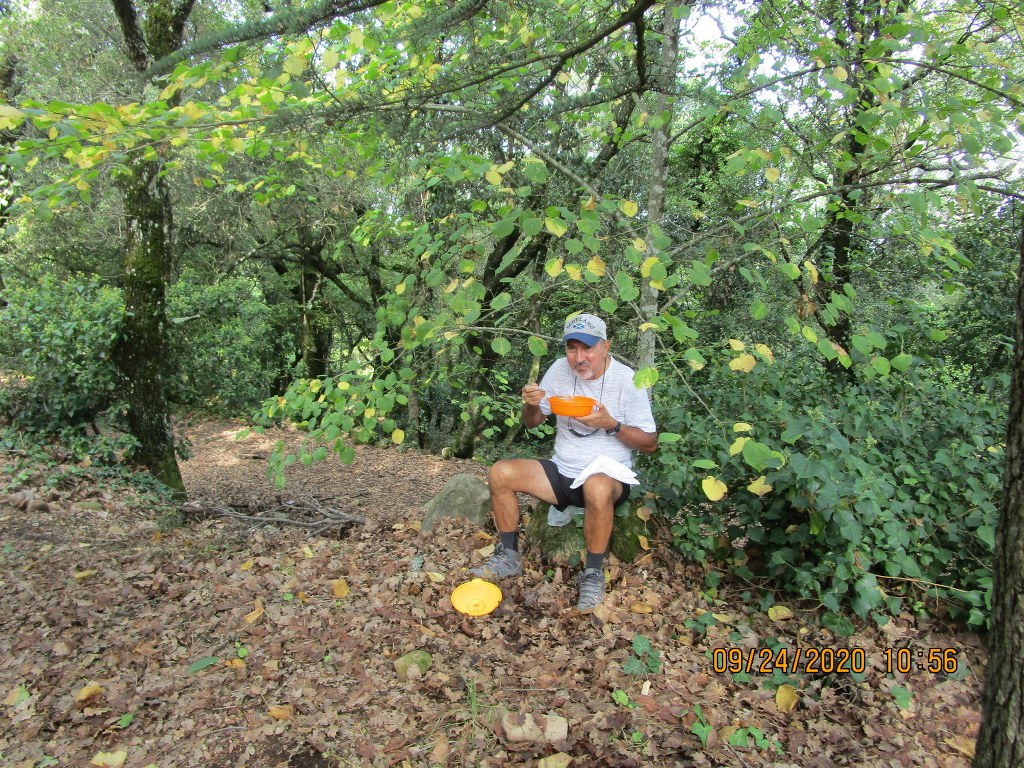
{"type": "Point", "coordinates": [614, 430]}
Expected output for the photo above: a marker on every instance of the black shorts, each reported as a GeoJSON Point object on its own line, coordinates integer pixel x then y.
{"type": "Point", "coordinates": [572, 496]}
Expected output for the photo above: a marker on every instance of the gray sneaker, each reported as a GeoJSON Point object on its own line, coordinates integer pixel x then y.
{"type": "Point", "coordinates": [591, 587]}
{"type": "Point", "coordinates": [503, 563]}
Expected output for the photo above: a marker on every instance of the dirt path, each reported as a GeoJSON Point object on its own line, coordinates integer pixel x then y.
{"type": "Point", "coordinates": [220, 644]}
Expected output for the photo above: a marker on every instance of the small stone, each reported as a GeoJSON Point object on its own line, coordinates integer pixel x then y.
{"type": "Point", "coordinates": [412, 665]}
{"type": "Point", "coordinates": [521, 726]}
{"type": "Point", "coordinates": [38, 505]}
{"type": "Point", "coordinates": [556, 729]}
{"type": "Point", "coordinates": [557, 760]}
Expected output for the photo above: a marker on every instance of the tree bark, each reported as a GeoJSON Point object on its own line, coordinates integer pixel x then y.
{"type": "Point", "coordinates": [1001, 740]}
{"type": "Point", "coordinates": [142, 349]}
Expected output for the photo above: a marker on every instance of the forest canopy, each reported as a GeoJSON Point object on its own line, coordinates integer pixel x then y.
{"type": "Point", "coordinates": [370, 219]}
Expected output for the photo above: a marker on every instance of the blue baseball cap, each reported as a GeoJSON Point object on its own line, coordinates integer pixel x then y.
{"type": "Point", "coordinates": [585, 327]}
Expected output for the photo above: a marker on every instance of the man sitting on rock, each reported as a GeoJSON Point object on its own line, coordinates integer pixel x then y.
{"type": "Point", "coordinates": [620, 424]}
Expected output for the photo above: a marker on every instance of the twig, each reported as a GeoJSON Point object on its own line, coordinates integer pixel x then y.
{"type": "Point", "coordinates": [311, 514]}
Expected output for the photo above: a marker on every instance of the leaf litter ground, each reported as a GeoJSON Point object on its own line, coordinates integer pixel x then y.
{"type": "Point", "coordinates": [225, 644]}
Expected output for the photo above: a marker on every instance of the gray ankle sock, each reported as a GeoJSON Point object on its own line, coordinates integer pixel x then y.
{"type": "Point", "coordinates": [595, 560]}
{"type": "Point", "coordinates": [509, 540]}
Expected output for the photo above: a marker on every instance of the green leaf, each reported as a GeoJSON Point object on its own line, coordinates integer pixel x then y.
{"type": "Point", "coordinates": [645, 378]}
{"type": "Point", "coordinates": [501, 346]}
{"type": "Point", "coordinates": [501, 301]}
{"type": "Point", "coordinates": [758, 309]}
{"type": "Point", "coordinates": [792, 271]}
{"type": "Point", "coordinates": [538, 346]}
{"type": "Point", "coordinates": [902, 361]}
{"type": "Point", "coordinates": [901, 696]}
{"type": "Point", "coordinates": [203, 663]}
{"type": "Point", "coordinates": [556, 227]}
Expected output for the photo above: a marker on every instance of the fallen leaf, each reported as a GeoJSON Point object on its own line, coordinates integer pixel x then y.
{"type": "Point", "coordinates": [644, 513]}
{"type": "Point", "coordinates": [486, 551]}
{"type": "Point", "coordinates": [786, 698]}
{"type": "Point", "coordinates": [779, 613]}
{"type": "Point", "coordinates": [88, 692]}
{"type": "Point", "coordinates": [16, 696]}
{"type": "Point", "coordinates": [255, 614]}
{"type": "Point", "coordinates": [83, 575]}
{"type": "Point", "coordinates": [307, 552]}
{"type": "Point", "coordinates": [281, 712]}
{"type": "Point", "coordinates": [435, 577]}
{"type": "Point", "coordinates": [641, 608]}
{"type": "Point", "coordinates": [557, 760]}
{"type": "Point", "coordinates": [247, 564]}
{"type": "Point", "coordinates": [339, 588]}
{"type": "Point", "coordinates": [645, 545]}
{"type": "Point", "coordinates": [109, 759]}
{"type": "Point", "coordinates": [962, 744]}
{"type": "Point", "coordinates": [521, 726]}
{"type": "Point", "coordinates": [235, 663]}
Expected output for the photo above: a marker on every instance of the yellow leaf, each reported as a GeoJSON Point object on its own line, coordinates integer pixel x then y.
{"type": "Point", "coordinates": [840, 73]}
{"type": "Point", "coordinates": [779, 613]}
{"type": "Point", "coordinates": [736, 345]}
{"type": "Point", "coordinates": [109, 759]}
{"type": "Point", "coordinates": [400, 289]}
{"type": "Point", "coordinates": [247, 565]}
{"type": "Point", "coordinates": [737, 445]}
{"type": "Point", "coordinates": [645, 545]}
{"type": "Point", "coordinates": [356, 37]}
{"type": "Point", "coordinates": [640, 244]}
{"type": "Point", "coordinates": [83, 575]}
{"type": "Point", "coordinates": [281, 712]}
{"type": "Point", "coordinates": [414, 11]}
{"type": "Point", "coordinates": [88, 692]}
{"type": "Point", "coordinates": [785, 698]}
{"type": "Point", "coordinates": [555, 226]}
{"type": "Point", "coordinates": [575, 271]}
{"type": "Point", "coordinates": [749, 203]}
{"type": "Point", "coordinates": [589, 205]}
{"type": "Point", "coordinates": [596, 266]}
{"type": "Point", "coordinates": [398, 436]}
{"type": "Point", "coordinates": [435, 577]}
{"type": "Point", "coordinates": [644, 513]}
{"type": "Point", "coordinates": [743, 363]}
{"type": "Point", "coordinates": [235, 663]}
{"type": "Point", "coordinates": [493, 176]}
{"type": "Point", "coordinates": [742, 426]}
{"type": "Point", "coordinates": [330, 58]}
{"type": "Point", "coordinates": [506, 167]}
{"type": "Point", "coordinates": [254, 615]}
{"type": "Point", "coordinates": [641, 608]}
{"type": "Point", "coordinates": [629, 208]}
{"type": "Point", "coordinates": [772, 174]}
{"type": "Point", "coordinates": [812, 271]}
{"type": "Point", "coordinates": [645, 268]}
{"type": "Point", "coordinates": [339, 588]}
{"type": "Point", "coordinates": [759, 487]}
{"type": "Point", "coordinates": [714, 488]}
{"type": "Point", "coordinates": [962, 744]}
{"type": "Point", "coordinates": [554, 267]}
{"type": "Point", "coordinates": [765, 351]}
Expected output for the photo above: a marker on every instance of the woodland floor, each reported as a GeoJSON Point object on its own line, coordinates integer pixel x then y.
{"type": "Point", "coordinates": [225, 644]}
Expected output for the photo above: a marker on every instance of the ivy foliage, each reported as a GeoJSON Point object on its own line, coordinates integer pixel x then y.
{"type": "Point", "coordinates": [58, 336]}
{"type": "Point", "coordinates": [878, 496]}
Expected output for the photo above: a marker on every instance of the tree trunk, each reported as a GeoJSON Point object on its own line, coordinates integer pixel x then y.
{"type": "Point", "coordinates": [665, 83]}
{"type": "Point", "coordinates": [1001, 740]}
{"type": "Point", "coordinates": [141, 351]}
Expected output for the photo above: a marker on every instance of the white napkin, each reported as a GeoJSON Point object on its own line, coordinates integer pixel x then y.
{"type": "Point", "coordinates": [604, 466]}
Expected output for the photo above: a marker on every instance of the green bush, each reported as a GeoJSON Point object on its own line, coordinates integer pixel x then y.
{"type": "Point", "coordinates": [58, 337]}
{"type": "Point", "coordinates": [883, 492]}
{"type": "Point", "coordinates": [226, 345]}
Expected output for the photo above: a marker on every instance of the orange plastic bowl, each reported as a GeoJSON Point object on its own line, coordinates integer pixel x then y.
{"type": "Point", "coordinates": [572, 406]}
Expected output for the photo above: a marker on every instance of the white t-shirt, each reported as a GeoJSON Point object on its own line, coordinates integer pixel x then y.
{"type": "Point", "coordinates": [620, 396]}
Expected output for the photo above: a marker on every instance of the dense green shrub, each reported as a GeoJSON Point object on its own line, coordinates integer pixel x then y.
{"type": "Point", "coordinates": [58, 335]}
{"type": "Point", "coordinates": [227, 346]}
{"type": "Point", "coordinates": [883, 492]}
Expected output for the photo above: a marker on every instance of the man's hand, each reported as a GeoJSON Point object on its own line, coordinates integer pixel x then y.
{"type": "Point", "coordinates": [532, 394]}
{"type": "Point", "coordinates": [599, 419]}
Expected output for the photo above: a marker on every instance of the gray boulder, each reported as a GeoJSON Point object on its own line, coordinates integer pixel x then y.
{"type": "Point", "coordinates": [463, 495]}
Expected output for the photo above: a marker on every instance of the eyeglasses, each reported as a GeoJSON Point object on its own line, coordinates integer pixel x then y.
{"type": "Point", "coordinates": [580, 434]}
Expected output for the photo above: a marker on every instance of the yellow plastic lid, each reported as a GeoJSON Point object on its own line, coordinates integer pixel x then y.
{"type": "Point", "coordinates": [476, 597]}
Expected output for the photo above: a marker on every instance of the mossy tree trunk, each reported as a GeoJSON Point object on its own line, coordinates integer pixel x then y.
{"type": "Point", "coordinates": [148, 252]}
